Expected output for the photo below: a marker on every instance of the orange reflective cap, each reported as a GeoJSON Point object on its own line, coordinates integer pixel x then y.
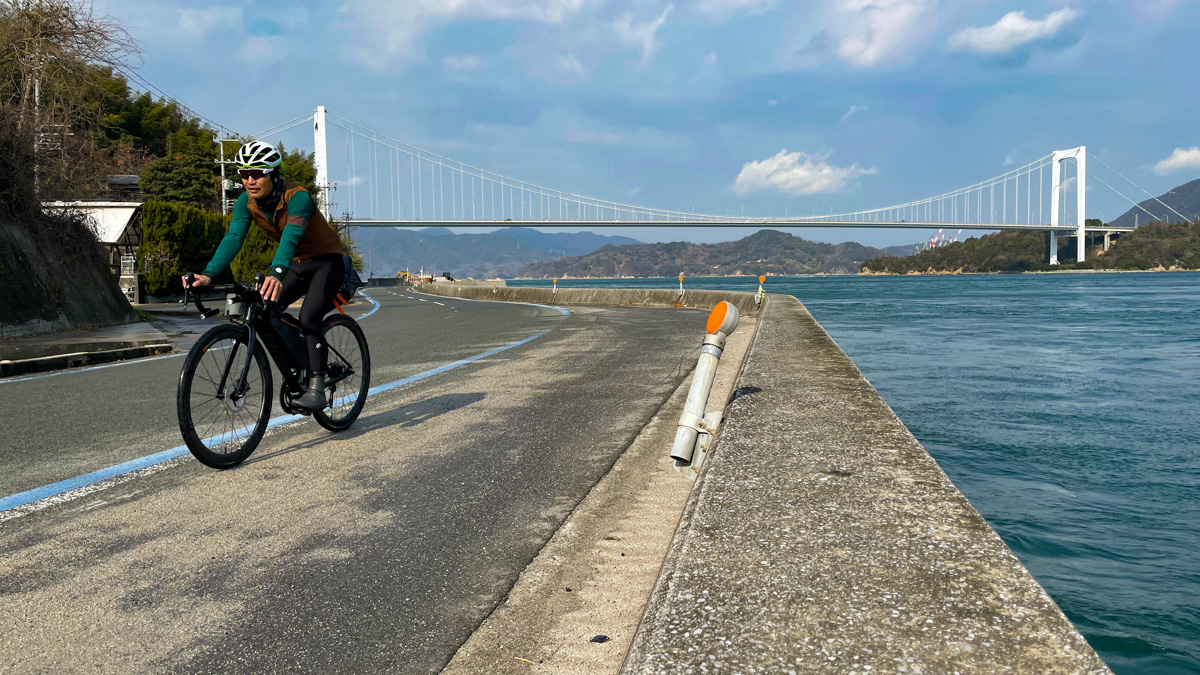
{"type": "Point", "coordinates": [717, 316]}
{"type": "Point", "coordinates": [761, 279]}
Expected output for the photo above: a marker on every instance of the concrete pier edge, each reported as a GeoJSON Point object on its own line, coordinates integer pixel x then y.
{"type": "Point", "coordinates": [78, 359]}
{"type": "Point", "coordinates": [821, 536]}
{"type": "Point", "coordinates": [622, 297]}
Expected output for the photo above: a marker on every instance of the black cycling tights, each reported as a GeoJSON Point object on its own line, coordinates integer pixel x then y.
{"type": "Point", "coordinates": [318, 280]}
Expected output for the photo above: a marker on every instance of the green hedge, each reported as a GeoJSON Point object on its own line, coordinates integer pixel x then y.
{"type": "Point", "coordinates": [176, 239]}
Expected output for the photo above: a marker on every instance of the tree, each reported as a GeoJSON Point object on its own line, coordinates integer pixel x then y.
{"type": "Point", "coordinates": [48, 53]}
{"type": "Point", "coordinates": [184, 178]}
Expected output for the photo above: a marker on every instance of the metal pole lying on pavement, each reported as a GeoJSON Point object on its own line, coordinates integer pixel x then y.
{"type": "Point", "coordinates": [696, 429]}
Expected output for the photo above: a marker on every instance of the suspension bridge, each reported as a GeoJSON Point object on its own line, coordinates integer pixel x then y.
{"type": "Point", "coordinates": [407, 186]}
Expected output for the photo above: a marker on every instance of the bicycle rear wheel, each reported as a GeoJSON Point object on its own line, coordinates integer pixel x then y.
{"type": "Point", "coordinates": [349, 366]}
{"type": "Point", "coordinates": [220, 425]}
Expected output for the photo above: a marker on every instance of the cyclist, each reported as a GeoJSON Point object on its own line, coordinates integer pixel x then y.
{"type": "Point", "coordinates": [308, 261]}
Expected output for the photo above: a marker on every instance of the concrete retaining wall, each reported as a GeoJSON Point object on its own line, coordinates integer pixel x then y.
{"type": "Point", "coordinates": [627, 297]}
{"type": "Point", "coordinates": [822, 537]}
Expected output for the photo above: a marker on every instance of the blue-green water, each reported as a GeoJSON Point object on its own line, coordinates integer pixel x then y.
{"type": "Point", "coordinates": [1067, 408]}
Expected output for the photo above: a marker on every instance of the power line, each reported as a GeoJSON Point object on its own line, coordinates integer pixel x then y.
{"type": "Point", "coordinates": [140, 79]}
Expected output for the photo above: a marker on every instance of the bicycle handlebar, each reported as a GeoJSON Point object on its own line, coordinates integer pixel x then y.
{"type": "Point", "coordinates": [244, 290]}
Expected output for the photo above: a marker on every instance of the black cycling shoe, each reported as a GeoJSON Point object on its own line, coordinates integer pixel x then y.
{"type": "Point", "coordinates": [314, 398]}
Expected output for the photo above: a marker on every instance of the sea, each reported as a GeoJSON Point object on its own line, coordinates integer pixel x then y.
{"type": "Point", "coordinates": [1066, 407]}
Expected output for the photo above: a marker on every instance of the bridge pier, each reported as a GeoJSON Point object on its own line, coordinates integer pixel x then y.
{"type": "Point", "coordinates": [1080, 156]}
{"type": "Point", "coordinates": [1053, 247]}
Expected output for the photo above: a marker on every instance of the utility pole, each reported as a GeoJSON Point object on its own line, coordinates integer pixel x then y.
{"type": "Point", "coordinates": [225, 183]}
{"type": "Point", "coordinates": [37, 130]}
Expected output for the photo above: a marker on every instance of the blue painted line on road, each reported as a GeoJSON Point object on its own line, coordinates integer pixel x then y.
{"type": "Point", "coordinates": [61, 487]}
{"type": "Point", "coordinates": [364, 294]}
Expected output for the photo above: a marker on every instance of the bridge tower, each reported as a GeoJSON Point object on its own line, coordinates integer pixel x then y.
{"type": "Point", "coordinates": [321, 161]}
{"type": "Point", "coordinates": [1080, 156]}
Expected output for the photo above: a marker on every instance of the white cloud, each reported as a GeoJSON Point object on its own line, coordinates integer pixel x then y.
{"type": "Point", "coordinates": [1010, 158]}
{"type": "Point", "coordinates": [467, 62]}
{"type": "Point", "coordinates": [390, 30]}
{"type": "Point", "coordinates": [796, 173]}
{"type": "Point", "coordinates": [862, 33]}
{"type": "Point", "coordinates": [724, 6]}
{"type": "Point", "coordinates": [710, 59]}
{"type": "Point", "coordinates": [1010, 32]}
{"type": "Point", "coordinates": [641, 34]}
{"type": "Point", "coordinates": [200, 22]}
{"type": "Point", "coordinates": [881, 29]}
{"type": "Point", "coordinates": [852, 111]}
{"type": "Point", "coordinates": [1182, 159]}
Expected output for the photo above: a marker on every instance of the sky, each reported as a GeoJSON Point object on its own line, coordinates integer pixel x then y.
{"type": "Point", "coordinates": [723, 106]}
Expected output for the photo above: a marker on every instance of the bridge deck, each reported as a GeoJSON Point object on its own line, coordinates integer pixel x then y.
{"type": "Point", "coordinates": [733, 222]}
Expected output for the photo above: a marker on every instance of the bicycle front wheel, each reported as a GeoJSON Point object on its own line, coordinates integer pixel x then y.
{"type": "Point", "coordinates": [222, 421]}
{"type": "Point", "coordinates": [348, 371]}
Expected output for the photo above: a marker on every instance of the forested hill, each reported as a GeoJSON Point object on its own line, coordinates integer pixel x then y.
{"type": "Point", "coordinates": [1185, 199]}
{"type": "Point", "coordinates": [502, 253]}
{"type": "Point", "coordinates": [1153, 246]}
{"type": "Point", "coordinates": [764, 252]}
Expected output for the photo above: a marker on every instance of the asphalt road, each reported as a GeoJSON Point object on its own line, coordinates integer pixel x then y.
{"type": "Point", "coordinates": [378, 549]}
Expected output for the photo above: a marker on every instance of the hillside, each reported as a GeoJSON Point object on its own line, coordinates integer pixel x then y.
{"type": "Point", "coordinates": [1185, 199]}
{"type": "Point", "coordinates": [1163, 244]}
{"type": "Point", "coordinates": [1153, 246]}
{"type": "Point", "coordinates": [387, 251]}
{"type": "Point", "coordinates": [1007, 251]}
{"type": "Point", "coordinates": [764, 252]}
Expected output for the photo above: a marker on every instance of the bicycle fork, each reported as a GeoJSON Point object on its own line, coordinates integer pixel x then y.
{"type": "Point", "coordinates": [240, 387]}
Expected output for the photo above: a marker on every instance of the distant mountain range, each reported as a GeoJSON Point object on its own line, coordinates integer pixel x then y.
{"type": "Point", "coordinates": [764, 252]}
{"type": "Point", "coordinates": [1185, 199]}
{"type": "Point", "coordinates": [387, 250]}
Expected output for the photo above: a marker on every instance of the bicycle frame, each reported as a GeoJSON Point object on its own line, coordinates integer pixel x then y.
{"type": "Point", "coordinates": [257, 323]}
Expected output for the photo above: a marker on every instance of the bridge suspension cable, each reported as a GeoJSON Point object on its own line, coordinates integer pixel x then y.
{"type": "Point", "coordinates": [431, 188]}
{"type": "Point", "coordinates": [445, 190]}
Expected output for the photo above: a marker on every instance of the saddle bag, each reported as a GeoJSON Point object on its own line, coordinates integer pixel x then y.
{"type": "Point", "coordinates": [350, 284]}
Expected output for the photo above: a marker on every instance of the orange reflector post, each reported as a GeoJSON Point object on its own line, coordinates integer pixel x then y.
{"type": "Point", "coordinates": [717, 316]}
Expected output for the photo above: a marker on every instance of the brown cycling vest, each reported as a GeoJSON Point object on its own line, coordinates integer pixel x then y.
{"type": "Point", "coordinates": [319, 237]}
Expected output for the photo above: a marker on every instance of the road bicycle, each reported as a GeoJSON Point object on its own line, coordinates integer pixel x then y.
{"type": "Point", "coordinates": [225, 390]}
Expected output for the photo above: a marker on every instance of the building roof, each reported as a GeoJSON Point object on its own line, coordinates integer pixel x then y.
{"type": "Point", "coordinates": [109, 218]}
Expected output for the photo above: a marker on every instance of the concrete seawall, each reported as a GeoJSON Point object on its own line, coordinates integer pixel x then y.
{"type": "Point", "coordinates": [822, 537]}
{"type": "Point", "coordinates": [625, 297]}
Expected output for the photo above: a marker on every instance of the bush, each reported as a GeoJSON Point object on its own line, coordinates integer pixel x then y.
{"type": "Point", "coordinates": [176, 238]}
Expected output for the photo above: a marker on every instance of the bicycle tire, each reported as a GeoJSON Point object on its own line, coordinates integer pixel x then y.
{"type": "Point", "coordinates": [202, 411]}
{"type": "Point", "coordinates": [347, 348]}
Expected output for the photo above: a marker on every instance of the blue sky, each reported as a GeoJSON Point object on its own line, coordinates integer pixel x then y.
{"type": "Point", "coordinates": [666, 103]}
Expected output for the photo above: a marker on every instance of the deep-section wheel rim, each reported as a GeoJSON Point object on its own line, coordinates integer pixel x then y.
{"type": "Point", "coordinates": [223, 421]}
{"type": "Point", "coordinates": [344, 356]}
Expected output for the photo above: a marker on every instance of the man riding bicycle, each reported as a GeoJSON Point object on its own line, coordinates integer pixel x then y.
{"type": "Point", "coordinates": [308, 261]}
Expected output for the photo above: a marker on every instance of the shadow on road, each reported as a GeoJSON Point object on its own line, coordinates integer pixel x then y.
{"type": "Point", "coordinates": [407, 416]}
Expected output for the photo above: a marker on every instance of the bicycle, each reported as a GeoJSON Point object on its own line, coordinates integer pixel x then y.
{"type": "Point", "coordinates": [225, 389]}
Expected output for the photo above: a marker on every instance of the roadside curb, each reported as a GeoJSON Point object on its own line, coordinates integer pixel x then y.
{"type": "Point", "coordinates": [75, 360]}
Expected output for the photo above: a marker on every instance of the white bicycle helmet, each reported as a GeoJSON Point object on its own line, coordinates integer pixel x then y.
{"type": "Point", "coordinates": [258, 155]}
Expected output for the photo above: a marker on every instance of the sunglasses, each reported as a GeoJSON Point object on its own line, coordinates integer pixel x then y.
{"type": "Point", "coordinates": [256, 174]}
